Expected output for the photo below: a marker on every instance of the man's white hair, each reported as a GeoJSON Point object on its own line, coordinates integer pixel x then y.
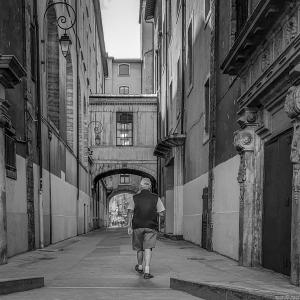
{"type": "Point", "coordinates": [145, 183]}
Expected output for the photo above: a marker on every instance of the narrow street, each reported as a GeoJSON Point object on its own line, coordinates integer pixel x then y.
{"type": "Point", "coordinates": [96, 266]}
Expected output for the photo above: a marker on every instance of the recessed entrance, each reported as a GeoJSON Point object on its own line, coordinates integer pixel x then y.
{"type": "Point", "coordinates": [278, 170]}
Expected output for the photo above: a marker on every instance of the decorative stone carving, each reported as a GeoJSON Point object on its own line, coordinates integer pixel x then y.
{"type": "Point", "coordinates": [292, 102]}
{"type": "Point", "coordinates": [265, 59]}
{"type": "Point", "coordinates": [243, 140]}
{"type": "Point", "coordinates": [248, 117]}
{"type": "Point", "coordinates": [287, 31]}
{"type": "Point", "coordinates": [290, 30]}
{"type": "Point", "coordinates": [295, 147]}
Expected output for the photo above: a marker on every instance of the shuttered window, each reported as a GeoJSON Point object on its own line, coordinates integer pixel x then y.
{"type": "Point", "coordinates": [10, 156]}
{"type": "Point", "coordinates": [124, 70]}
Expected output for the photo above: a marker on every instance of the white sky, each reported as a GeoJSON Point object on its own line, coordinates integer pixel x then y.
{"type": "Point", "coordinates": [121, 27]}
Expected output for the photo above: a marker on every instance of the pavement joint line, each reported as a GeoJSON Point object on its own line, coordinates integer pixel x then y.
{"type": "Point", "coordinates": [108, 288]}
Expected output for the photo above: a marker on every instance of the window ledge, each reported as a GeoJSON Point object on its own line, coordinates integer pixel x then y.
{"type": "Point", "coordinates": [261, 20]}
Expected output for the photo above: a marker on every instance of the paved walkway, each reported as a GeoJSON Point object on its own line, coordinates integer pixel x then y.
{"type": "Point", "coordinates": [100, 264]}
{"type": "Point", "coordinates": [96, 266]}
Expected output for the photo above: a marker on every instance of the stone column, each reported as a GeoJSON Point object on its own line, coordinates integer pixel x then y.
{"type": "Point", "coordinates": [10, 73]}
{"type": "Point", "coordinates": [245, 141]}
{"type": "Point", "coordinates": [292, 108]}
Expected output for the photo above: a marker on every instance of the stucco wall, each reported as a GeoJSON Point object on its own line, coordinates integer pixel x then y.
{"type": "Point", "coordinates": [114, 80]}
{"type": "Point", "coordinates": [193, 208]}
{"type": "Point", "coordinates": [16, 203]}
{"type": "Point", "coordinates": [226, 208]}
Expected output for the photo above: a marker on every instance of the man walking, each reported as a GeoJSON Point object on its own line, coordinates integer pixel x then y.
{"type": "Point", "coordinates": [143, 225]}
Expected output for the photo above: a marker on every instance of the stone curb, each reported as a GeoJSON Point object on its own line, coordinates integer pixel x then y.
{"type": "Point", "coordinates": [210, 291]}
{"type": "Point", "coordinates": [8, 286]}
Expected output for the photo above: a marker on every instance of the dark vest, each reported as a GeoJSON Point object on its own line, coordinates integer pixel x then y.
{"type": "Point", "coordinates": [145, 212]}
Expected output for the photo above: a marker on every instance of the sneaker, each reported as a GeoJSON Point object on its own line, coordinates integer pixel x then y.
{"type": "Point", "coordinates": [138, 270]}
{"type": "Point", "coordinates": [148, 276]}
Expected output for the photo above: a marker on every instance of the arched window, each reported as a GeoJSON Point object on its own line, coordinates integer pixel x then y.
{"type": "Point", "coordinates": [124, 69]}
{"type": "Point", "coordinates": [124, 90]}
{"type": "Point", "coordinates": [53, 107]}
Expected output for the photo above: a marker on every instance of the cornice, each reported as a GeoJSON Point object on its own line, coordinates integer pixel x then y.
{"type": "Point", "coordinates": [11, 71]}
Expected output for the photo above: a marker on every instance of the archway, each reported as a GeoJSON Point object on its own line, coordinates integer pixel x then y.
{"type": "Point", "coordinates": [53, 105]}
{"type": "Point", "coordinates": [126, 171]}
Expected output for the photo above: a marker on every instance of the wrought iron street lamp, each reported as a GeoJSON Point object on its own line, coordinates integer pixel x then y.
{"type": "Point", "coordinates": [98, 128]}
{"type": "Point", "coordinates": [65, 24]}
{"type": "Point", "coordinates": [65, 44]}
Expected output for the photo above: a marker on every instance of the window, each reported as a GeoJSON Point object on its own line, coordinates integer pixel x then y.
{"type": "Point", "coordinates": [241, 15]}
{"type": "Point", "coordinates": [123, 70]}
{"type": "Point", "coordinates": [207, 109]}
{"type": "Point", "coordinates": [178, 5]}
{"type": "Point", "coordinates": [179, 87]}
{"type": "Point", "coordinates": [124, 179]}
{"type": "Point", "coordinates": [190, 54]}
{"type": "Point", "coordinates": [124, 90]}
{"type": "Point", "coordinates": [207, 8]}
{"type": "Point", "coordinates": [169, 20]}
{"type": "Point", "coordinates": [124, 129]}
{"type": "Point", "coordinates": [33, 52]}
{"type": "Point", "coordinates": [10, 155]}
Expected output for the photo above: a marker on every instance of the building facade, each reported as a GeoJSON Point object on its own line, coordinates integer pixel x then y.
{"type": "Point", "coordinates": [48, 182]}
{"type": "Point", "coordinates": [228, 166]}
{"type": "Point", "coordinates": [124, 76]}
{"type": "Point", "coordinates": [181, 31]}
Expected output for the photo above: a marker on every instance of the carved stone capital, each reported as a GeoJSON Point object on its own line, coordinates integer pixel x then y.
{"type": "Point", "coordinates": [244, 140]}
{"type": "Point", "coordinates": [295, 147]}
{"type": "Point", "coordinates": [248, 117]}
{"type": "Point", "coordinates": [4, 116]}
{"type": "Point", "coordinates": [292, 102]}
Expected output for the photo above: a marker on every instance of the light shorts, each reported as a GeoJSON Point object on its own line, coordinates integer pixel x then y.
{"type": "Point", "coordinates": [143, 238]}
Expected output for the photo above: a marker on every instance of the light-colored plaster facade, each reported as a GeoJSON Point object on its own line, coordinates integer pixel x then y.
{"type": "Point", "coordinates": [133, 80]}
{"type": "Point", "coordinates": [50, 195]}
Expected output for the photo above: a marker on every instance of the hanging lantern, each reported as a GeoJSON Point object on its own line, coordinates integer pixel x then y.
{"type": "Point", "coordinates": [65, 44]}
{"type": "Point", "coordinates": [97, 140]}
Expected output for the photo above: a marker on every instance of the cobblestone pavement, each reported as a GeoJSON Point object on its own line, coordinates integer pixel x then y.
{"type": "Point", "coordinates": [98, 265]}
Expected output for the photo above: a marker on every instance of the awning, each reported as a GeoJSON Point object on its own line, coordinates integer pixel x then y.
{"type": "Point", "coordinates": [165, 145]}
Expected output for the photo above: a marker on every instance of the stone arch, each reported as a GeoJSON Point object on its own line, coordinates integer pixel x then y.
{"type": "Point", "coordinates": [52, 61]}
{"type": "Point", "coordinates": [128, 190]}
{"type": "Point", "coordinates": [126, 171]}
{"type": "Point", "coordinates": [70, 102]}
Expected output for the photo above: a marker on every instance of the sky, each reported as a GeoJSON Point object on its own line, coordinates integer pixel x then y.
{"type": "Point", "coordinates": [121, 27]}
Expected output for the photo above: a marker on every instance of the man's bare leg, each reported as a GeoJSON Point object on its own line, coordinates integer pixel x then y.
{"type": "Point", "coordinates": [140, 257]}
{"type": "Point", "coordinates": [147, 257]}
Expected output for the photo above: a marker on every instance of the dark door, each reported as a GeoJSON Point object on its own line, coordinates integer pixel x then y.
{"type": "Point", "coordinates": [278, 173]}
{"type": "Point", "coordinates": [204, 218]}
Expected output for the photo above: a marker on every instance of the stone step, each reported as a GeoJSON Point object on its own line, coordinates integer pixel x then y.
{"type": "Point", "coordinates": [215, 291]}
{"type": "Point", "coordinates": [8, 286]}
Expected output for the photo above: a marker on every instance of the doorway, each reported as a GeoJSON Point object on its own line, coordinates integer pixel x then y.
{"type": "Point", "coordinates": [278, 173]}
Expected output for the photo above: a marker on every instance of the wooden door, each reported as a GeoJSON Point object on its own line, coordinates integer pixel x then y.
{"type": "Point", "coordinates": [278, 171]}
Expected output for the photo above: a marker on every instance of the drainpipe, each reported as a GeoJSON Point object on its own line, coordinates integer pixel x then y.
{"type": "Point", "coordinates": [183, 41]}
{"type": "Point", "coordinates": [77, 117]}
{"type": "Point", "coordinates": [50, 185]}
{"type": "Point", "coordinates": [39, 119]}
